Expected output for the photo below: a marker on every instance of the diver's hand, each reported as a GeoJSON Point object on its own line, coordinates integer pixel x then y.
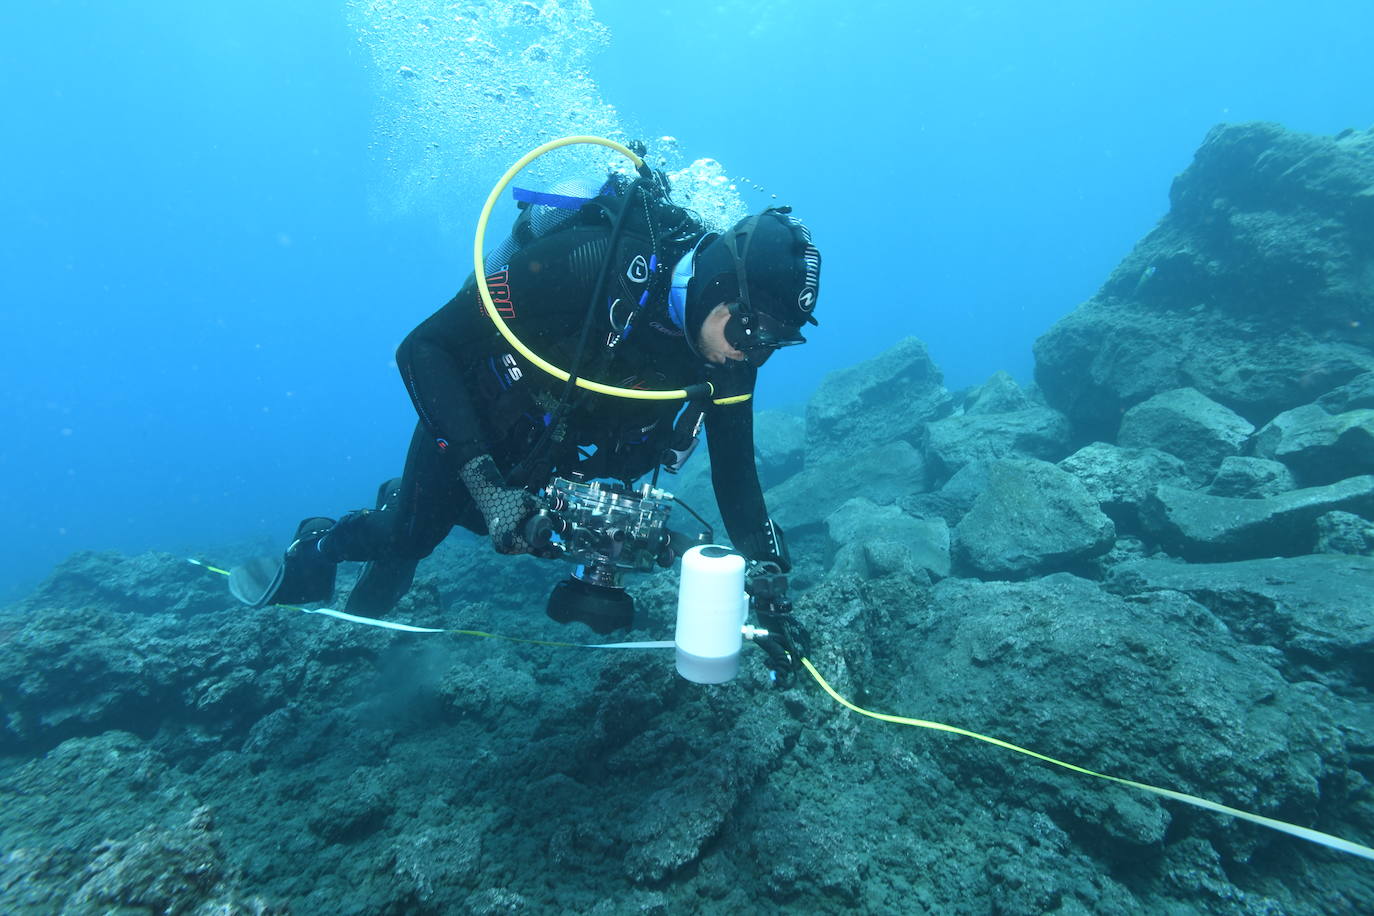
{"type": "Point", "coordinates": [787, 642]}
{"type": "Point", "coordinates": [766, 584]}
{"type": "Point", "coordinates": [512, 514]}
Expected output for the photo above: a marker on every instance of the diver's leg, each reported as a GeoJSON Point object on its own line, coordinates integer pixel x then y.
{"type": "Point", "coordinates": [414, 514]}
{"type": "Point", "coordinates": [385, 579]}
{"type": "Point", "coordinates": [411, 518]}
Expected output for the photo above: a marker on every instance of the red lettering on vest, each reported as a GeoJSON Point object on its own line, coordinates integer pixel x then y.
{"type": "Point", "coordinates": [498, 284]}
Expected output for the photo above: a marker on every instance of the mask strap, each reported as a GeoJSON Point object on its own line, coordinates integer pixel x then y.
{"type": "Point", "coordinates": [739, 254]}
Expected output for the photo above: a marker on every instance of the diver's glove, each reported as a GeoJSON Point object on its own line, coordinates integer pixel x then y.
{"type": "Point", "coordinates": [513, 514]}
{"type": "Point", "coordinates": [787, 642]}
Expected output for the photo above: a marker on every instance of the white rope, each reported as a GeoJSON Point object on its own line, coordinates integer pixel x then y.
{"type": "Point", "coordinates": [372, 621]}
{"type": "Point", "coordinates": [407, 628]}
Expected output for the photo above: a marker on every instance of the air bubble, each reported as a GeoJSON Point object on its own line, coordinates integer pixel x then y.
{"type": "Point", "coordinates": [504, 77]}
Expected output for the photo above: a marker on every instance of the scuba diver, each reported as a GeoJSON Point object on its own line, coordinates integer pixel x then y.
{"type": "Point", "coordinates": [671, 306]}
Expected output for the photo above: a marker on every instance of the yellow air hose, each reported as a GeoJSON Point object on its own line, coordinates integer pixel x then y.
{"type": "Point", "coordinates": [1306, 833]}
{"type": "Point", "coordinates": [480, 272]}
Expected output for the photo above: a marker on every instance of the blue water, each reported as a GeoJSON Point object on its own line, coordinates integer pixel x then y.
{"type": "Point", "coordinates": [219, 221]}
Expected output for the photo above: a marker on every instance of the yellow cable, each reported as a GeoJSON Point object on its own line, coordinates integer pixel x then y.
{"type": "Point", "coordinates": [480, 273]}
{"type": "Point", "coordinates": [1306, 833]}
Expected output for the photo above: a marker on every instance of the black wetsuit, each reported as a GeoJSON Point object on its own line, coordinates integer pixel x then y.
{"type": "Point", "coordinates": [474, 395]}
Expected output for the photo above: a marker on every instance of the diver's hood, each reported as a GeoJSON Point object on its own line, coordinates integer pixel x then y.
{"type": "Point", "coordinates": [766, 263]}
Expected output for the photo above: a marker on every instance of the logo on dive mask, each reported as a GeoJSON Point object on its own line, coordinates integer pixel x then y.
{"type": "Point", "coordinates": [757, 334]}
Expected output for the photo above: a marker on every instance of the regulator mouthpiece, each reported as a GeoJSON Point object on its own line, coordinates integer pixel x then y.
{"type": "Point", "coordinates": [711, 607]}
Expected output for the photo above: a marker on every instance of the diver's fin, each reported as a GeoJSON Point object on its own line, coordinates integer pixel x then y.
{"type": "Point", "coordinates": [256, 581]}
{"type": "Point", "coordinates": [302, 576]}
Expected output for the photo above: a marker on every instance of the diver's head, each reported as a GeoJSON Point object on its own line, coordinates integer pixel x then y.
{"type": "Point", "coordinates": [765, 272]}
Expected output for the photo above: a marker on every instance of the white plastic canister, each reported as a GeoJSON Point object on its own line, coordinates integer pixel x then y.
{"type": "Point", "coordinates": [711, 607]}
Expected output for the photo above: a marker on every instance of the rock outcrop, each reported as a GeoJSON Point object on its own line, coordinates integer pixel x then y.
{"type": "Point", "coordinates": [1253, 289]}
{"type": "Point", "coordinates": [1182, 599]}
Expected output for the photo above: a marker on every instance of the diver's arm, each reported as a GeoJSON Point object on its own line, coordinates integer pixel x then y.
{"type": "Point", "coordinates": [431, 360]}
{"type": "Point", "coordinates": [730, 439]}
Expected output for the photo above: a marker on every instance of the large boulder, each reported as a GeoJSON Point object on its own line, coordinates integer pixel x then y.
{"type": "Point", "coordinates": [1121, 479]}
{"type": "Point", "coordinates": [1201, 527]}
{"type": "Point", "coordinates": [1032, 519]}
{"type": "Point", "coordinates": [888, 398]}
{"type": "Point", "coordinates": [1253, 289]}
{"type": "Point", "coordinates": [779, 445]}
{"type": "Point", "coordinates": [779, 449]}
{"type": "Point", "coordinates": [1319, 447]}
{"type": "Point", "coordinates": [953, 499]}
{"type": "Point", "coordinates": [1189, 425]}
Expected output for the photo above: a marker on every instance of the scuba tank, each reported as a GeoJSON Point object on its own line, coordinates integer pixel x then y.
{"type": "Point", "coordinates": [544, 213]}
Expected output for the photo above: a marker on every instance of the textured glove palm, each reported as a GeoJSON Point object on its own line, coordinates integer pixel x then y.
{"type": "Point", "coordinates": [507, 510]}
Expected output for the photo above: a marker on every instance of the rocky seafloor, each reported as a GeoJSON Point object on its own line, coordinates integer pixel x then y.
{"type": "Point", "coordinates": [1157, 562]}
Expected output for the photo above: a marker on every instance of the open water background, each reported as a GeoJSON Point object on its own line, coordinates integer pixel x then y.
{"type": "Point", "coordinates": [220, 219]}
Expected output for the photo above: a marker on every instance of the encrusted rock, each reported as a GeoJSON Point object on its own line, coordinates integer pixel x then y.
{"type": "Point", "coordinates": [1355, 394]}
{"type": "Point", "coordinates": [105, 825]}
{"type": "Point", "coordinates": [871, 541]}
{"type": "Point", "coordinates": [999, 394]}
{"type": "Point", "coordinates": [1344, 532]}
{"type": "Point", "coordinates": [1188, 425]}
{"type": "Point", "coordinates": [1032, 519]}
{"type": "Point", "coordinates": [357, 812]}
{"type": "Point", "coordinates": [1319, 447]}
{"type": "Point", "coordinates": [1127, 686]}
{"type": "Point", "coordinates": [1034, 432]}
{"type": "Point", "coordinates": [1198, 526]}
{"type": "Point", "coordinates": [1251, 478]}
{"type": "Point", "coordinates": [149, 583]}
